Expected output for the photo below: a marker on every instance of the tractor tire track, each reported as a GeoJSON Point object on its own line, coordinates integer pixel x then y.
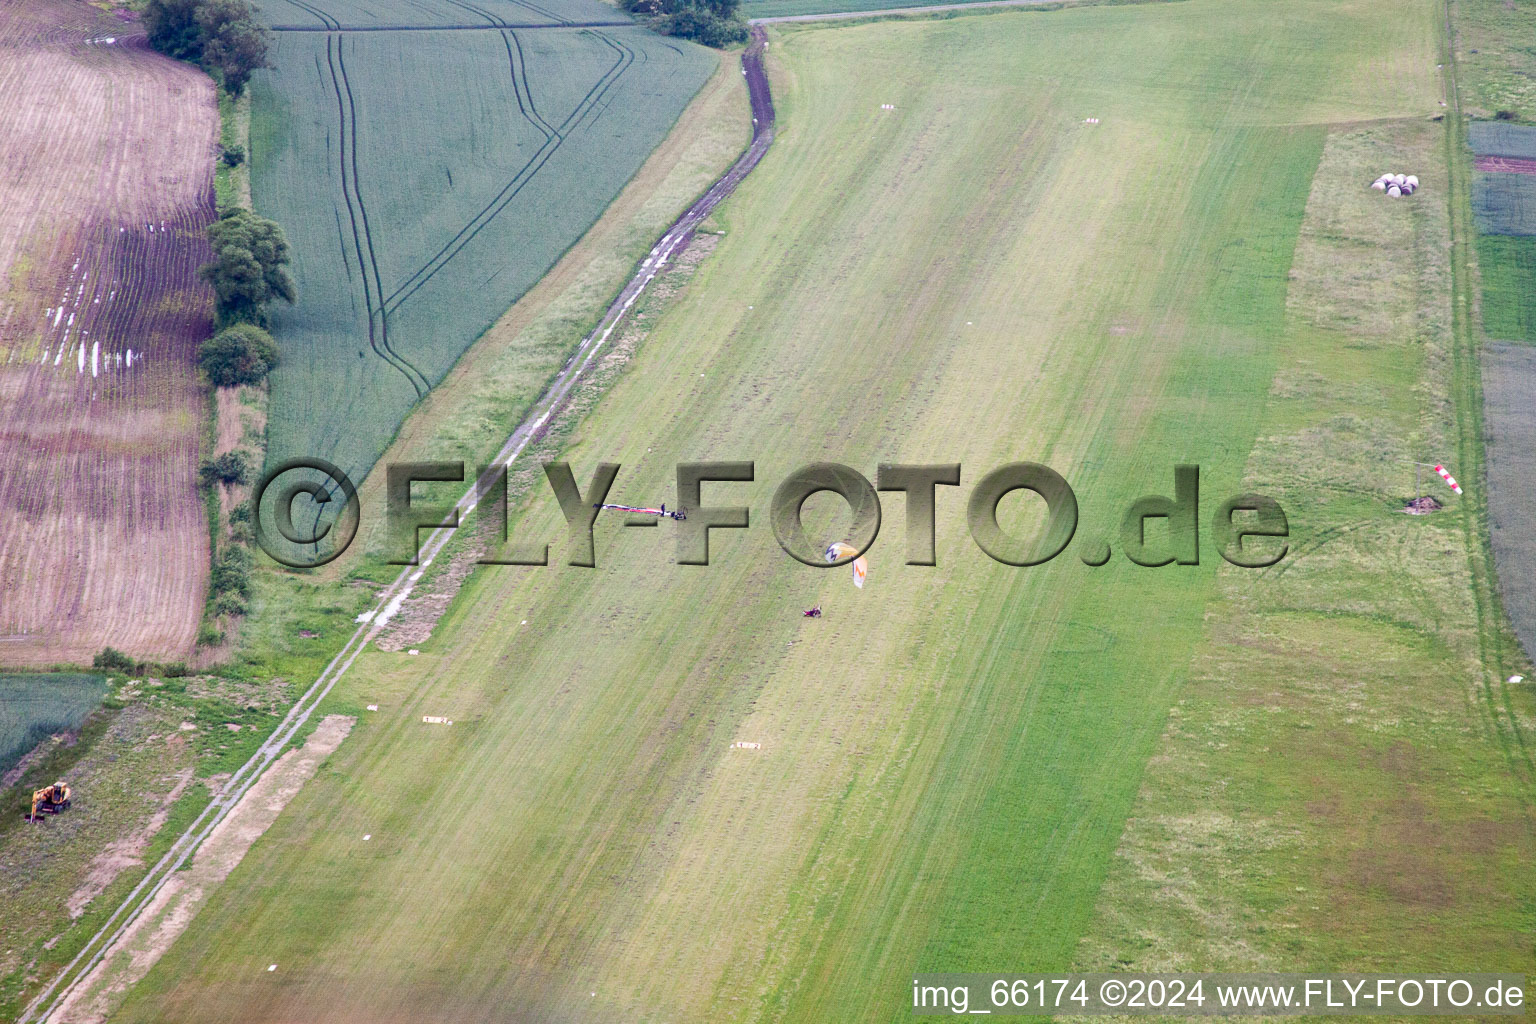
{"type": "Point", "coordinates": [520, 68]}
{"type": "Point", "coordinates": [519, 25]}
{"type": "Point", "coordinates": [357, 212]}
{"type": "Point", "coordinates": [525, 174]}
{"type": "Point", "coordinates": [416, 377]}
{"type": "Point", "coordinates": [329, 23]}
{"type": "Point", "coordinates": [362, 237]}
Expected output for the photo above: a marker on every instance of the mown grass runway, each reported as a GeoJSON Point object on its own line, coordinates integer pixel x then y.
{"type": "Point", "coordinates": [948, 757]}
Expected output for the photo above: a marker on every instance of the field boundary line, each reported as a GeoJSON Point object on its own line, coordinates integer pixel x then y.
{"type": "Point", "coordinates": [102, 944]}
{"type": "Point", "coordinates": [420, 277]}
{"type": "Point", "coordinates": [886, 12]}
{"type": "Point", "coordinates": [1467, 398]}
{"type": "Point", "coordinates": [474, 28]}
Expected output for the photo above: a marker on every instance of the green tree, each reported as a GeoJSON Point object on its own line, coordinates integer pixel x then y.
{"type": "Point", "coordinates": [711, 22]}
{"type": "Point", "coordinates": [114, 660]}
{"type": "Point", "coordinates": [242, 354]}
{"type": "Point", "coordinates": [173, 28]}
{"type": "Point", "coordinates": [234, 42]}
{"type": "Point", "coordinates": [219, 35]}
{"type": "Point", "coordinates": [249, 268]}
{"type": "Point", "coordinates": [231, 574]}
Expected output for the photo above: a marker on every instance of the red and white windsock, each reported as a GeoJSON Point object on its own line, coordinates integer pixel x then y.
{"type": "Point", "coordinates": [1450, 481]}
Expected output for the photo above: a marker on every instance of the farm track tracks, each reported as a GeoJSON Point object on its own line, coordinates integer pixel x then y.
{"type": "Point", "coordinates": [393, 596]}
{"type": "Point", "coordinates": [524, 175]}
{"type": "Point", "coordinates": [519, 25]}
{"type": "Point", "coordinates": [379, 306]}
{"type": "Point", "coordinates": [357, 210]}
{"type": "Point", "coordinates": [378, 337]}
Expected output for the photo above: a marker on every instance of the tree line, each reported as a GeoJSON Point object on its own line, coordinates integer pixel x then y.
{"type": "Point", "coordinates": [711, 22]}
{"type": "Point", "coordinates": [248, 272]}
{"type": "Point", "coordinates": [220, 36]}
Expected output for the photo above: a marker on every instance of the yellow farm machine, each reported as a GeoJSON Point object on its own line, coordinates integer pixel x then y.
{"type": "Point", "coordinates": [52, 799]}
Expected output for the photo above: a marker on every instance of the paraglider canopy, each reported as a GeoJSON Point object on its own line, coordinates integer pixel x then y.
{"type": "Point", "coordinates": [837, 551]}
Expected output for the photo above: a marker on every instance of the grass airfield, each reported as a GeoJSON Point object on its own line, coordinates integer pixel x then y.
{"type": "Point", "coordinates": [955, 759]}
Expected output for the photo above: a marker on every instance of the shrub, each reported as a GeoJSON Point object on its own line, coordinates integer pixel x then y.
{"type": "Point", "coordinates": [234, 42]}
{"type": "Point", "coordinates": [113, 660]}
{"type": "Point", "coordinates": [229, 468]}
{"type": "Point", "coordinates": [173, 28]}
{"type": "Point", "coordinates": [232, 573]}
{"type": "Point", "coordinates": [209, 636]}
{"type": "Point", "coordinates": [711, 22]}
{"type": "Point", "coordinates": [704, 27]}
{"type": "Point", "coordinates": [229, 604]}
{"type": "Point", "coordinates": [242, 354]}
{"type": "Point", "coordinates": [233, 156]}
{"type": "Point", "coordinates": [249, 268]}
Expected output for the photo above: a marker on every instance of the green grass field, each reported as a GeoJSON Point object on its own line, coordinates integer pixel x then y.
{"type": "Point", "coordinates": [426, 180]}
{"type": "Point", "coordinates": [955, 760]}
{"type": "Point", "coordinates": [1495, 57]}
{"type": "Point", "coordinates": [782, 8]}
{"type": "Point", "coordinates": [1508, 267]}
{"type": "Point", "coordinates": [35, 706]}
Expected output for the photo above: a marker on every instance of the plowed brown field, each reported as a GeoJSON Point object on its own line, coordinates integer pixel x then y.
{"type": "Point", "coordinates": [106, 186]}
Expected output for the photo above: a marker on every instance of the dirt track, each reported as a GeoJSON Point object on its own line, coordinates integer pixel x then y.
{"type": "Point", "coordinates": [104, 193]}
{"type": "Point", "coordinates": [1506, 164]}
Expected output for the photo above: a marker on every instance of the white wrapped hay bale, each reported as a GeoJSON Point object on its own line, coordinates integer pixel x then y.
{"type": "Point", "coordinates": [1394, 191]}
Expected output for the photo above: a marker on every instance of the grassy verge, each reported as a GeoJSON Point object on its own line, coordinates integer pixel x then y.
{"type": "Point", "coordinates": [232, 182]}
{"type": "Point", "coordinates": [1495, 59]}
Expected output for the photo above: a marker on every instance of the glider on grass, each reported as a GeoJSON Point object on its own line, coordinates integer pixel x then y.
{"type": "Point", "coordinates": [838, 549]}
{"type": "Point", "coordinates": [679, 514]}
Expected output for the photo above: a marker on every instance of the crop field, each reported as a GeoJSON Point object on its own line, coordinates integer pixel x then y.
{"type": "Point", "coordinates": [427, 179]}
{"type": "Point", "coordinates": [666, 795]}
{"type": "Point", "coordinates": [106, 189]}
{"type": "Point", "coordinates": [1504, 203]}
{"type": "Point", "coordinates": [34, 706]}
{"type": "Point", "coordinates": [1504, 208]}
{"type": "Point", "coordinates": [410, 15]}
